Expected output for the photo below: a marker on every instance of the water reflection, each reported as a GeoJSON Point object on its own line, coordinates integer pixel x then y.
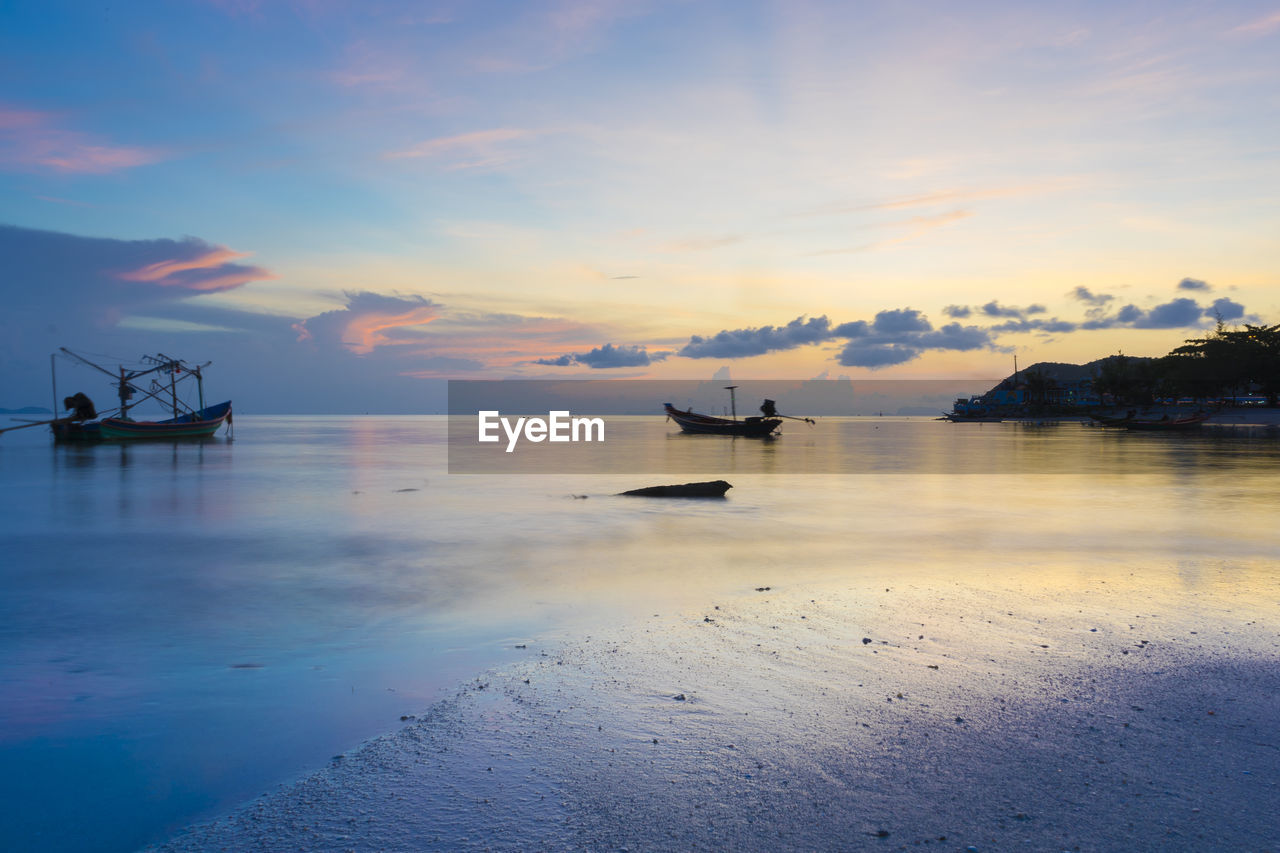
{"type": "Point", "coordinates": [337, 557]}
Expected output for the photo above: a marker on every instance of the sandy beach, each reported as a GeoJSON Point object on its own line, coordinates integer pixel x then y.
{"type": "Point", "coordinates": [1011, 712]}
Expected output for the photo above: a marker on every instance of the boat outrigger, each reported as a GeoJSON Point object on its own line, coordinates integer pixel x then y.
{"type": "Point", "coordinates": [751, 427]}
{"type": "Point", "coordinates": [168, 376]}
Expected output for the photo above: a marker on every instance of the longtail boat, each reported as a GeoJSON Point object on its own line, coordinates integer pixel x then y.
{"type": "Point", "coordinates": [690, 421]}
{"type": "Point", "coordinates": [1150, 423]}
{"type": "Point", "coordinates": [752, 427]}
{"type": "Point", "coordinates": [1167, 422]}
{"type": "Point", "coordinates": [168, 378]}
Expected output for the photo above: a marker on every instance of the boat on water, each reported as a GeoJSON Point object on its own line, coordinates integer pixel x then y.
{"type": "Point", "coordinates": [168, 379]}
{"type": "Point", "coordinates": [752, 427]}
{"type": "Point", "coordinates": [693, 422]}
{"type": "Point", "coordinates": [1150, 423]}
{"type": "Point", "coordinates": [961, 418]}
{"type": "Point", "coordinates": [201, 423]}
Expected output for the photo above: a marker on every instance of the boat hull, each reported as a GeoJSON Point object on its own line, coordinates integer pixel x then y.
{"type": "Point", "coordinates": [692, 422]}
{"type": "Point", "coordinates": [201, 424]}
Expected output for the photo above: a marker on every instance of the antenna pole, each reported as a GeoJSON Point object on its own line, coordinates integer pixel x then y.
{"type": "Point", "coordinates": [733, 400]}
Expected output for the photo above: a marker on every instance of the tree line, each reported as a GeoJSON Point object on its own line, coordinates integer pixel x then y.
{"type": "Point", "coordinates": [1224, 364]}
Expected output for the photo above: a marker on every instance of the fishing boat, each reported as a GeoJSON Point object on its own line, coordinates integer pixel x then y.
{"type": "Point", "coordinates": [1150, 423]}
{"type": "Point", "coordinates": [168, 379]}
{"type": "Point", "coordinates": [752, 427]}
{"type": "Point", "coordinates": [693, 422]}
{"type": "Point", "coordinates": [1168, 422]}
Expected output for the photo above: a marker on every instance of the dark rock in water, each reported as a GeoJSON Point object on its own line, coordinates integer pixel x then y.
{"type": "Point", "coordinates": [709, 489]}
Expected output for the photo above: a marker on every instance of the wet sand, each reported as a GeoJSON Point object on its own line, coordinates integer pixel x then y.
{"type": "Point", "coordinates": [1000, 713]}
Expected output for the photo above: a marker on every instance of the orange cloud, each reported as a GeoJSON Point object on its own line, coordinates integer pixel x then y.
{"type": "Point", "coordinates": [210, 270]}
{"type": "Point", "coordinates": [161, 270]}
{"type": "Point", "coordinates": [366, 331]}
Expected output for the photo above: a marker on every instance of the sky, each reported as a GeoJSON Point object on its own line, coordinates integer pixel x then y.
{"type": "Point", "coordinates": [341, 204]}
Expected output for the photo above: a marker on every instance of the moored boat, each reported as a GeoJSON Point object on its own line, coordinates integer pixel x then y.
{"type": "Point", "coordinates": [167, 375]}
{"type": "Point", "coordinates": [1167, 422]}
{"type": "Point", "coordinates": [693, 422]}
{"type": "Point", "coordinates": [1151, 423]}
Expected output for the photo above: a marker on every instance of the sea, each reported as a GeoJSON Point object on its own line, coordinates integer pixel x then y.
{"type": "Point", "coordinates": [187, 625]}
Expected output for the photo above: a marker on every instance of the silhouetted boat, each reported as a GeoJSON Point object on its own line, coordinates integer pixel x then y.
{"type": "Point", "coordinates": [1153, 424]}
{"type": "Point", "coordinates": [959, 418]}
{"type": "Point", "coordinates": [166, 374]}
{"type": "Point", "coordinates": [690, 421]}
{"type": "Point", "coordinates": [1167, 422]}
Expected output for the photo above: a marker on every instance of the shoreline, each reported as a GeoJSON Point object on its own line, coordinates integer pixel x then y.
{"type": "Point", "coordinates": [922, 714]}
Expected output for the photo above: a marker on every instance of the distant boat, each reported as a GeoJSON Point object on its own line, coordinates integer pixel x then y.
{"type": "Point", "coordinates": [754, 427]}
{"type": "Point", "coordinates": [959, 418]}
{"type": "Point", "coordinates": [167, 377]}
{"type": "Point", "coordinates": [690, 421]}
{"type": "Point", "coordinates": [1166, 422]}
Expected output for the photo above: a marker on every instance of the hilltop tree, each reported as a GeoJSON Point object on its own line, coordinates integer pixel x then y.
{"type": "Point", "coordinates": [1228, 361]}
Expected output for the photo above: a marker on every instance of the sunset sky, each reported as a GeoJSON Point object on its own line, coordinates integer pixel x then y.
{"type": "Point", "coordinates": [340, 202]}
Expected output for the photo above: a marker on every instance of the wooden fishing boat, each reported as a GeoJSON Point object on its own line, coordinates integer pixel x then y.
{"type": "Point", "coordinates": [1151, 423]}
{"type": "Point", "coordinates": [168, 376]}
{"type": "Point", "coordinates": [1167, 422]}
{"type": "Point", "coordinates": [693, 422]}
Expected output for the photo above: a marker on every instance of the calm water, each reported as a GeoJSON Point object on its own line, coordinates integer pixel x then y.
{"type": "Point", "coordinates": [186, 626]}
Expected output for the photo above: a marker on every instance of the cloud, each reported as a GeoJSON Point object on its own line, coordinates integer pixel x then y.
{"type": "Point", "coordinates": [197, 266]}
{"type": "Point", "coordinates": [1265, 25]}
{"type": "Point", "coordinates": [476, 150]}
{"type": "Point", "coordinates": [369, 320]}
{"type": "Point", "coordinates": [1096, 299]}
{"type": "Point", "coordinates": [995, 309]}
{"type": "Point", "coordinates": [953, 336]}
{"type": "Point", "coordinates": [902, 321]}
{"type": "Point", "coordinates": [1193, 284]}
{"type": "Point", "coordinates": [1182, 312]}
{"type": "Point", "coordinates": [741, 343]}
{"type": "Point", "coordinates": [900, 335]}
{"type": "Point", "coordinates": [1225, 309]}
{"type": "Point", "coordinates": [32, 140]}
{"type": "Point", "coordinates": [1171, 315]}
{"type": "Point", "coordinates": [892, 337]}
{"type": "Point", "coordinates": [99, 281]}
{"type": "Point", "coordinates": [860, 353]}
{"type": "Point", "coordinates": [917, 226]}
{"type": "Point", "coordinates": [607, 356]}
{"type": "Point", "coordinates": [1054, 326]}
{"type": "Point", "coordinates": [957, 311]}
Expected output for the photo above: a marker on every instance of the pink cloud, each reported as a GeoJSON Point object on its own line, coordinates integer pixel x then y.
{"type": "Point", "coordinates": [209, 271]}
{"type": "Point", "coordinates": [32, 139]}
{"type": "Point", "coordinates": [1260, 26]}
{"type": "Point", "coordinates": [368, 321]}
{"type": "Point", "coordinates": [365, 332]}
{"type": "Point", "coordinates": [478, 149]}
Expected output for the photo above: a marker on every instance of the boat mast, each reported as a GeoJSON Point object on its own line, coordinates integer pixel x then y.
{"type": "Point", "coordinates": [173, 387]}
{"type": "Point", "coordinates": [733, 400]}
{"type": "Point", "coordinates": [124, 394]}
{"type": "Point", "coordinates": [53, 371]}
